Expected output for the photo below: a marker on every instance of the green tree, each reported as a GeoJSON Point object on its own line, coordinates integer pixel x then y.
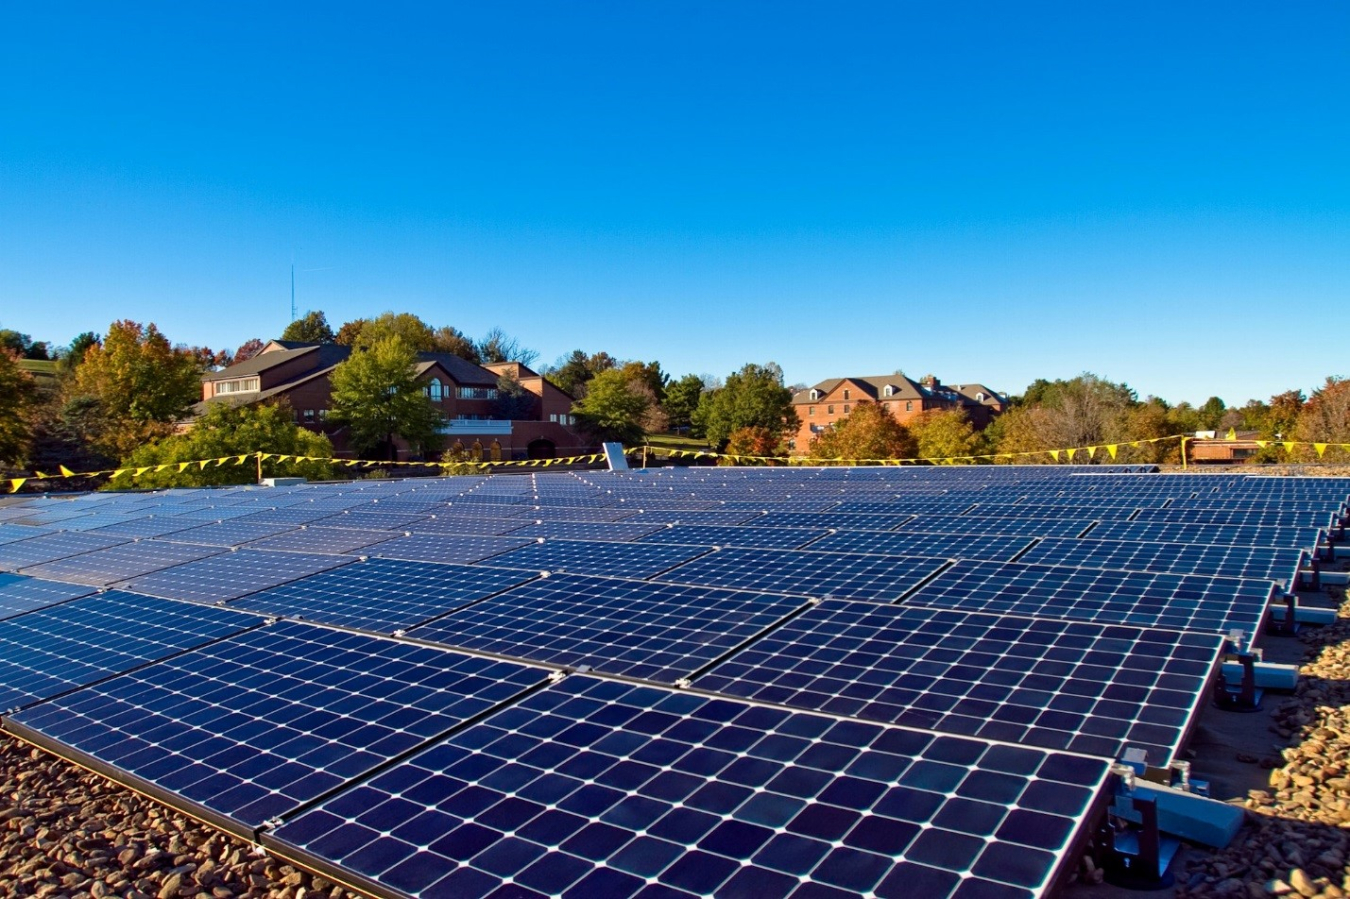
{"type": "Point", "coordinates": [1082, 411]}
{"type": "Point", "coordinates": [16, 395]}
{"type": "Point", "coordinates": [753, 397]}
{"type": "Point", "coordinates": [227, 429]}
{"type": "Point", "coordinates": [945, 434]}
{"type": "Point", "coordinates": [1211, 413]}
{"type": "Point", "coordinates": [141, 383]}
{"type": "Point", "coordinates": [682, 398]}
{"type": "Point", "coordinates": [22, 345]}
{"type": "Point", "coordinates": [758, 442]}
{"type": "Point", "coordinates": [613, 409]}
{"type": "Point", "coordinates": [868, 432]}
{"type": "Point", "coordinates": [376, 394]}
{"type": "Point", "coordinates": [312, 327]}
{"type": "Point", "coordinates": [650, 374]}
{"type": "Point", "coordinates": [414, 332]}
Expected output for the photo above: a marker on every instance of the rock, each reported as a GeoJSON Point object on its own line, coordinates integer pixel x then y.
{"type": "Point", "coordinates": [1302, 883]}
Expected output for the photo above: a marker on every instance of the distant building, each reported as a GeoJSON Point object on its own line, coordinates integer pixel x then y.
{"type": "Point", "coordinates": [465, 393]}
{"type": "Point", "coordinates": [904, 398]}
{"type": "Point", "coordinates": [1235, 448]}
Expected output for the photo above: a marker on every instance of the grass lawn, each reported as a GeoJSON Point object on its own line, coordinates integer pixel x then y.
{"type": "Point", "coordinates": [673, 441]}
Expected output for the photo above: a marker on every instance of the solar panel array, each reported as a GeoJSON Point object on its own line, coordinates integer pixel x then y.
{"type": "Point", "coordinates": [759, 682]}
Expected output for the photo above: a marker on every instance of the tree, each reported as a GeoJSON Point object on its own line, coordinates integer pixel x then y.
{"type": "Point", "coordinates": [141, 383]}
{"type": "Point", "coordinates": [572, 372]}
{"type": "Point", "coordinates": [349, 332]}
{"type": "Point", "coordinates": [868, 432]}
{"type": "Point", "coordinates": [613, 408]}
{"type": "Point", "coordinates": [1326, 419]}
{"type": "Point", "coordinates": [1211, 413]}
{"type": "Point", "coordinates": [414, 332]}
{"type": "Point", "coordinates": [753, 397]}
{"type": "Point", "coordinates": [209, 359]}
{"type": "Point", "coordinates": [74, 355]}
{"type": "Point", "coordinates": [456, 343]}
{"type": "Point", "coordinates": [650, 374]}
{"type": "Point", "coordinates": [376, 394]}
{"type": "Point", "coordinates": [497, 346]}
{"type": "Point", "coordinates": [1082, 411]}
{"type": "Point", "coordinates": [758, 442]}
{"type": "Point", "coordinates": [312, 327]}
{"type": "Point", "coordinates": [682, 398]}
{"type": "Point", "coordinates": [514, 402]}
{"type": "Point", "coordinates": [22, 345]}
{"type": "Point", "coordinates": [227, 429]}
{"type": "Point", "coordinates": [247, 350]}
{"type": "Point", "coordinates": [16, 394]}
{"type": "Point", "coordinates": [943, 434]}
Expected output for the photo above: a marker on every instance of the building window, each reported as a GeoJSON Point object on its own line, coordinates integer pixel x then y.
{"type": "Point", "coordinates": [846, 395]}
{"type": "Point", "coordinates": [309, 415]}
{"type": "Point", "coordinates": [888, 391]}
{"type": "Point", "coordinates": [434, 390]}
{"type": "Point", "coordinates": [323, 415]}
{"type": "Point", "coordinates": [845, 405]}
{"type": "Point", "coordinates": [476, 393]}
{"type": "Point", "coordinates": [240, 385]}
{"type": "Point", "coordinates": [979, 397]}
{"type": "Point", "coordinates": [815, 394]}
{"type": "Point", "coordinates": [810, 410]}
{"type": "Point", "coordinates": [909, 405]}
{"type": "Point", "coordinates": [829, 410]}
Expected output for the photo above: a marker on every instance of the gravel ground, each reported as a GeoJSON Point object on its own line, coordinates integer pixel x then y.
{"type": "Point", "coordinates": [67, 833]}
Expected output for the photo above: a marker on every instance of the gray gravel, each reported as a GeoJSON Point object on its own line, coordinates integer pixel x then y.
{"type": "Point", "coordinates": [67, 833]}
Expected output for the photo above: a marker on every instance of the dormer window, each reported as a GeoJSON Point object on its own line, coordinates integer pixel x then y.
{"type": "Point", "coordinates": [888, 390]}
{"type": "Point", "coordinates": [815, 394]}
{"type": "Point", "coordinates": [979, 397]}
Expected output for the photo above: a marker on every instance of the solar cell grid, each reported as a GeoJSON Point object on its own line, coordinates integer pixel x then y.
{"type": "Point", "coordinates": [573, 513]}
{"type": "Point", "coordinates": [383, 595]}
{"type": "Point", "coordinates": [293, 515]}
{"type": "Point", "coordinates": [1042, 510]}
{"type": "Point", "coordinates": [371, 520]}
{"type": "Point", "coordinates": [993, 547]}
{"type": "Point", "coordinates": [704, 518]}
{"type": "Point", "coordinates": [1280, 565]}
{"type": "Point", "coordinates": [1267, 517]}
{"type": "Point", "coordinates": [216, 513]}
{"type": "Point", "coordinates": [1209, 534]}
{"type": "Point", "coordinates": [466, 526]}
{"type": "Point", "coordinates": [768, 538]}
{"type": "Point", "coordinates": [250, 727]}
{"type": "Point", "coordinates": [230, 575]}
{"type": "Point", "coordinates": [13, 533]}
{"type": "Point", "coordinates": [1182, 602]}
{"type": "Point", "coordinates": [614, 532]}
{"type": "Point", "coordinates": [593, 788]}
{"type": "Point", "coordinates": [118, 563]}
{"type": "Point", "coordinates": [50, 547]}
{"type": "Point", "coordinates": [804, 572]}
{"type": "Point", "coordinates": [841, 521]}
{"type": "Point", "coordinates": [632, 560]}
{"type": "Point", "coordinates": [227, 533]}
{"type": "Point", "coordinates": [24, 594]}
{"type": "Point", "coordinates": [147, 526]}
{"type": "Point", "coordinates": [635, 628]}
{"type": "Point", "coordinates": [445, 548]}
{"type": "Point", "coordinates": [321, 540]}
{"type": "Point", "coordinates": [947, 506]}
{"type": "Point", "coordinates": [72, 644]}
{"type": "Point", "coordinates": [1000, 525]}
{"type": "Point", "coordinates": [1090, 688]}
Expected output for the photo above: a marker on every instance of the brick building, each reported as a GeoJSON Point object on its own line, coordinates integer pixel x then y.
{"type": "Point", "coordinates": [465, 394]}
{"type": "Point", "coordinates": [829, 401]}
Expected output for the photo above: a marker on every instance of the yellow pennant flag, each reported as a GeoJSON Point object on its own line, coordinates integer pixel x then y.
{"type": "Point", "coordinates": [182, 466]}
{"type": "Point", "coordinates": [203, 463]}
{"type": "Point", "coordinates": [1263, 443]}
{"type": "Point", "coordinates": [239, 460]}
{"type": "Point", "coordinates": [1070, 453]}
{"type": "Point", "coordinates": [1112, 448]}
{"type": "Point", "coordinates": [163, 467]}
{"type": "Point", "coordinates": [1289, 445]}
{"type": "Point", "coordinates": [1321, 448]}
{"type": "Point", "coordinates": [283, 458]}
{"type": "Point", "coordinates": [1231, 435]}
{"type": "Point", "coordinates": [1054, 454]}
{"type": "Point", "coordinates": [67, 473]}
{"type": "Point", "coordinates": [119, 472]}
{"type": "Point", "coordinates": [1092, 452]}
{"type": "Point", "coordinates": [16, 483]}
{"type": "Point", "coordinates": [140, 471]}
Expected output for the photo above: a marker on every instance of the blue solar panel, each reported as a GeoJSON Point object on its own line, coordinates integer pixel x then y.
{"type": "Point", "coordinates": [1002, 526]}
{"type": "Point", "coordinates": [372, 520]}
{"type": "Point", "coordinates": [383, 595]}
{"type": "Point", "coordinates": [248, 728]}
{"type": "Point", "coordinates": [1209, 534]}
{"type": "Point", "coordinates": [635, 628]}
{"type": "Point", "coordinates": [227, 533]}
{"type": "Point", "coordinates": [1084, 687]}
{"type": "Point", "coordinates": [445, 548]}
{"type": "Point", "coordinates": [595, 788]}
{"type": "Point", "coordinates": [994, 547]}
{"type": "Point", "coordinates": [767, 538]}
{"type": "Point", "coordinates": [118, 563]}
{"type": "Point", "coordinates": [231, 575]}
{"type": "Point", "coordinates": [50, 547]}
{"type": "Point", "coordinates": [573, 513]}
{"type": "Point", "coordinates": [658, 516]}
{"type": "Point", "coordinates": [13, 533]}
{"type": "Point", "coordinates": [1281, 565]}
{"type": "Point", "coordinates": [314, 539]}
{"type": "Point", "coordinates": [465, 526]}
{"type": "Point", "coordinates": [839, 520]}
{"type": "Point", "coordinates": [148, 526]}
{"type": "Point", "coordinates": [588, 530]}
{"type": "Point", "coordinates": [634, 560]}
{"type": "Point", "coordinates": [24, 594]}
{"type": "Point", "coordinates": [803, 572]}
{"type": "Point", "coordinates": [1183, 602]}
{"type": "Point", "coordinates": [58, 648]}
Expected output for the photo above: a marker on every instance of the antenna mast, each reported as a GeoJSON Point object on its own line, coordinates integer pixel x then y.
{"type": "Point", "coordinates": [292, 290]}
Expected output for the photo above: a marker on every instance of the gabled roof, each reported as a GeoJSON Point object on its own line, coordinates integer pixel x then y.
{"type": "Point", "coordinates": [461, 371]}
{"type": "Point", "coordinates": [904, 388]}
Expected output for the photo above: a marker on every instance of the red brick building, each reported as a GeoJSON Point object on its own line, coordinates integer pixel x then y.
{"type": "Point", "coordinates": [465, 394]}
{"type": "Point", "coordinates": [904, 398]}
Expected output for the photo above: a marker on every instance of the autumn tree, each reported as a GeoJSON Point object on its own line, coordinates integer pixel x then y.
{"type": "Point", "coordinates": [1082, 411]}
{"type": "Point", "coordinates": [753, 397]}
{"type": "Point", "coordinates": [247, 350]}
{"type": "Point", "coordinates": [349, 332]}
{"type": "Point", "coordinates": [760, 443]}
{"type": "Point", "coordinates": [229, 429]}
{"type": "Point", "coordinates": [1326, 419]}
{"type": "Point", "coordinates": [944, 436]}
{"type": "Point", "coordinates": [140, 383]}
{"type": "Point", "coordinates": [16, 395]}
{"type": "Point", "coordinates": [312, 327]}
{"type": "Point", "coordinates": [23, 346]}
{"type": "Point", "coordinates": [613, 409]}
{"type": "Point", "coordinates": [453, 341]}
{"type": "Point", "coordinates": [376, 394]}
{"type": "Point", "coordinates": [410, 329]}
{"type": "Point", "coordinates": [867, 432]}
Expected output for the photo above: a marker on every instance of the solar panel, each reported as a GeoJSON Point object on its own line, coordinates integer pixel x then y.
{"type": "Point", "coordinates": [147, 526]}
{"type": "Point", "coordinates": [119, 563]}
{"type": "Point", "coordinates": [1281, 565]}
{"type": "Point", "coordinates": [445, 548]}
{"type": "Point", "coordinates": [231, 575]}
{"type": "Point", "coordinates": [464, 526]}
{"type": "Point", "coordinates": [633, 560]}
{"type": "Point", "coordinates": [24, 594]}
{"type": "Point", "coordinates": [13, 533]}
{"type": "Point", "coordinates": [839, 520]}
{"type": "Point", "coordinates": [297, 515]}
{"type": "Point", "coordinates": [1006, 527]}
{"type": "Point", "coordinates": [372, 520]}
{"type": "Point", "coordinates": [1209, 534]}
{"type": "Point", "coordinates": [227, 533]}
{"type": "Point", "coordinates": [1182, 602]}
{"type": "Point", "coordinates": [635, 628]}
{"type": "Point", "coordinates": [614, 532]}
{"type": "Point", "coordinates": [1266, 517]}
{"type": "Point", "coordinates": [803, 572]}
{"type": "Point", "coordinates": [669, 516]}
{"type": "Point", "coordinates": [599, 788]}
{"type": "Point", "coordinates": [51, 650]}
{"type": "Point", "coordinates": [573, 513]}
{"type": "Point", "coordinates": [383, 595]}
{"type": "Point", "coordinates": [994, 547]}
{"type": "Point", "coordinates": [50, 547]}
{"type": "Point", "coordinates": [314, 539]}
{"type": "Point", "coordinates": [1083, 687]}
{"type": "Point", "coordinates": [248, 728]}
{"type": "Point", "coordinates": [767, 538]}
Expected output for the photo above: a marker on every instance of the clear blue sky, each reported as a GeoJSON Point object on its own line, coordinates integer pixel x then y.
{"type": "Point", "coordinates": [1156, 192]}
